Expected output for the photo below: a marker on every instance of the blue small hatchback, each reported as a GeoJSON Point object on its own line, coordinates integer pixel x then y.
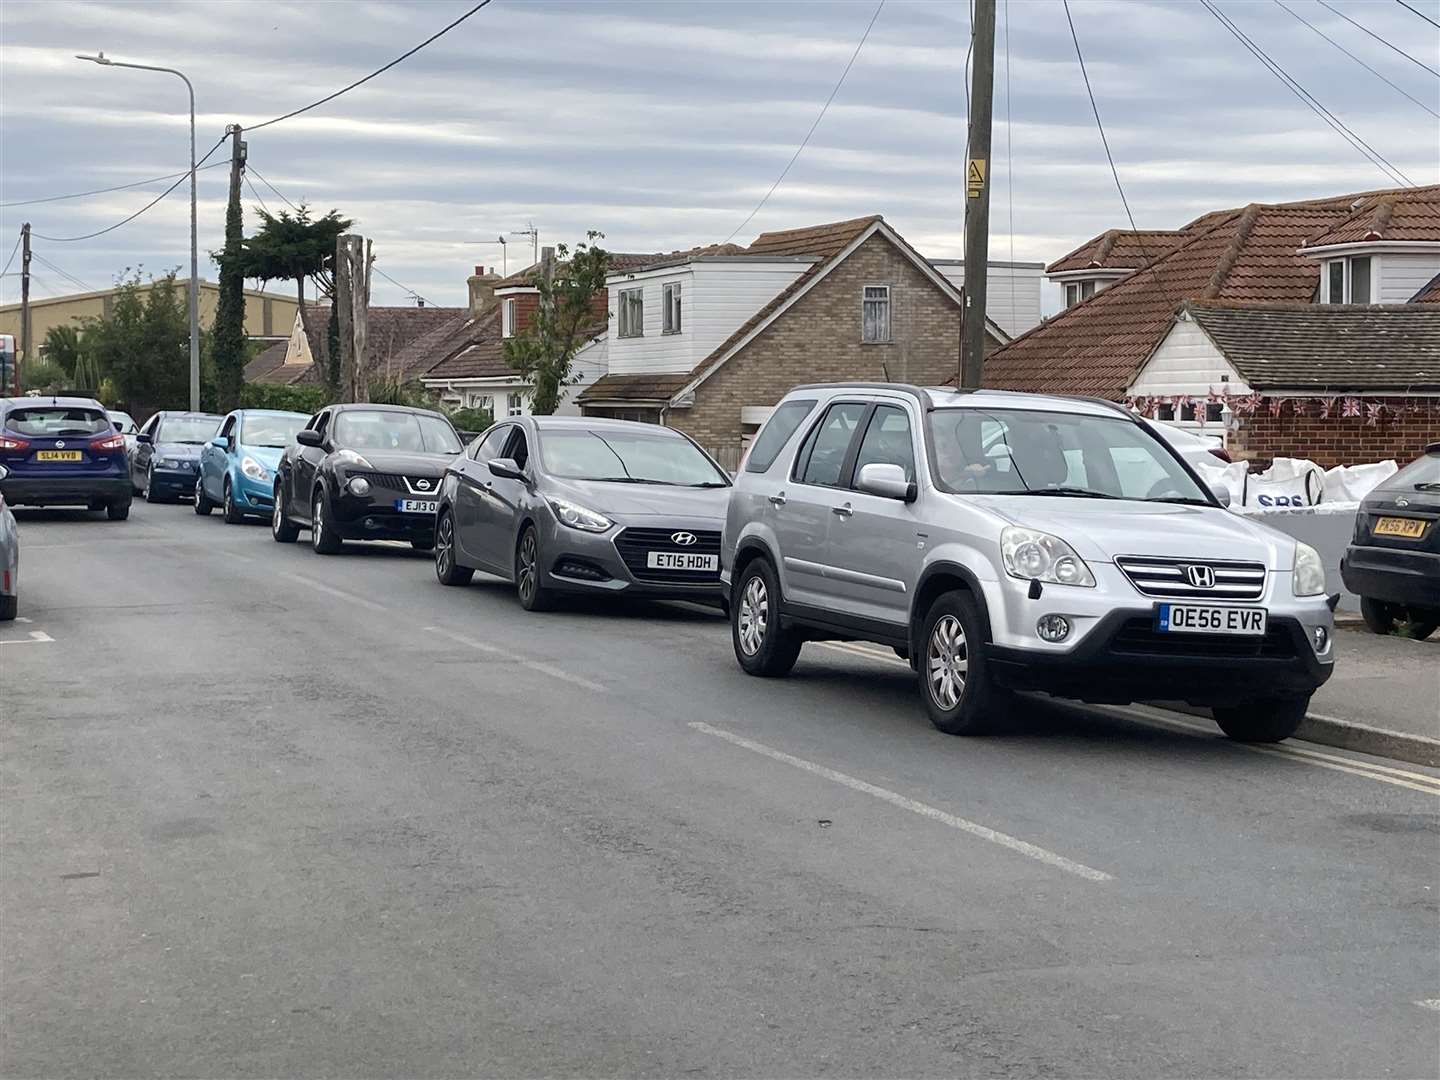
{"type": "Point", "coordinates": [237, 467]}
{"type": "Point", "coordinates": [63, 451]}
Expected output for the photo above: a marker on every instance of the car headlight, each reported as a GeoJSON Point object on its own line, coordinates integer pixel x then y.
{"type": "Point", "coordinates": [358, 485]}
{"type": "Point", "coordinates": [1038, 556]}
{"type": "Point", "coordinates": [350, 457]}
{"type": "Point", "coordinates": [1309, 576]}
{"type": "Point", "coordinates": [579, 517]}
{"type": "Point", "coordinates": [170, 463]}
{"type": "Point", "coordinates": [253, 469]}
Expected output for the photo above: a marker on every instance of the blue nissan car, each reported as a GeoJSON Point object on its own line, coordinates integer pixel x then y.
{"type": "Point", "coordinates": [62, 451]}
{"type": "Point", "coordinates": [237, 467]}
{"type": "Point", "coordinates": [167, 454]}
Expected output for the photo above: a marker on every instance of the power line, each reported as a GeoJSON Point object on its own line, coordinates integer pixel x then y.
{"type": "Point", "coordinates": [105, 191]}
{"type": "Point", "coordinates": [278, 193]}
{"type": "Point", "coordinates": [401, 284]}
{"type": "Point", "coordinates": [132, 217]}
{"type": "Point", "coordinates": [379, 71]}
{"type": "Point", "coordinates": [1347, 52]}
{"type": "Point", "coordinates": [256, 194]}
{"type": "Point", "coordinates": [11, 259]}
{"type": "Point", "coordinates": [1377, 37]}
{"type": "Point", "coordinates": [1422, 15]}
{"type": "Point", "coordinates": [1310, 101]}
{"type": "Point", "coordinates": [62, 272]}
{"type": "Point", "coordinates": [804, 142]}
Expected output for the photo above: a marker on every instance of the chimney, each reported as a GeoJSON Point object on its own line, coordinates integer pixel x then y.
{"type": "Point", "coordinates": [482, 289]}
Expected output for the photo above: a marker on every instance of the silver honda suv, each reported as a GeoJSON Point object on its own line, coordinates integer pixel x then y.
{"type": "Point", "coordinates": [1007, 542]}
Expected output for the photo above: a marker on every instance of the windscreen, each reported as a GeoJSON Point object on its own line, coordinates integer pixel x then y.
{"type": "Point", "coordinates": [404, 431]}
{"type": "Point", "coordinates": [187, 429]}
{"type": "Point", "coordinates": [272, 431]}
{"type": "Point", "coordinates": [627, 457]}
{"type": "Point", "coordinates": [52, 421]}
{"type": "Point", "coordinates": [1029, 452]}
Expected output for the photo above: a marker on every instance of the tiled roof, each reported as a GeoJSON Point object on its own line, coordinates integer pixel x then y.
{"type": "Point", "coordinates": [633, 388]}
{"type": "Point", "coordinates": [1119, 249]}
{"type": "Point", "coordinates": [1327, 347]}
{"type": "Point", "coordinates": [819, 241]}
{"type": "Point", "coordinates": [1241, 256]}
{"type": "Point", "coordinates": [1412, 214]}
{"type": "Point", "coordinates": [1429, 292]}
{"type": "Point", "coordinates": [470, 349]}
{"type": "Point", "coordinates": [266, 363]}
{"type": "Point", "coordinates": [619, 261]}
{"type": "Point", "coordinates": [391, 330]}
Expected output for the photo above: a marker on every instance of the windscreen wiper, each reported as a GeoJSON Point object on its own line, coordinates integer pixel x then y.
{"type": "Point", "coordinates": [1181, 500]}
{"type": "Point", "coordinates": [1069, 492]}
{"type": "Point", "coordinates": [709, 484]}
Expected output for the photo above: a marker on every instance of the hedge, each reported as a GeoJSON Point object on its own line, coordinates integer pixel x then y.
{"type": "Point", "coordinates": [303, 399]}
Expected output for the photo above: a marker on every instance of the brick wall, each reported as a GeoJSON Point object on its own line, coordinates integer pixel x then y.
{"type": "Point", "coordinates": [818, 340]}
{"type": "Point", "coordinates": [1341, 440]}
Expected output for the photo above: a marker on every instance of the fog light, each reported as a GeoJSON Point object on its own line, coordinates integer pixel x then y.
{"type": "Point", "coordinates": [1053, 627]}
{"type": "Point", "coordinates": [359, 486]}
{"type": "Point", "coordinates": [1321, 637]}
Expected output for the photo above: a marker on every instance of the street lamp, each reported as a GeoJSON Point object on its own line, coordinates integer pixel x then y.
{"type": "Point", "coordinates": [101, 58]}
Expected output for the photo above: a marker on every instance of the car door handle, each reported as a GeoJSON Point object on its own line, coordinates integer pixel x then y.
{"type": "Point", "coordinates": [777, 500]}
{"type": "Point", "coordinates": [843, 511]}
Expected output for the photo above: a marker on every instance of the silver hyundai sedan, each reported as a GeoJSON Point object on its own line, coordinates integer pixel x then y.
{"type": "Point", "coordinates": [576, 505]}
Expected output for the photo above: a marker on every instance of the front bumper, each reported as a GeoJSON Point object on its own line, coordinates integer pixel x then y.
{"type": "Point", "coordinates": [371, 518]}
{"type": "Point", "coordinates": [1392, 575]}
{"type": "Point", "coordinates": [66, 490]}
{"type": "Point", "coordinates": [574, 561]}
{"type": "Point", "coordinates": [253, 496]}
{"type": "Point", "coordinates": [173, 483]}
{"type": "Point", "coordinates": [1122, 659]}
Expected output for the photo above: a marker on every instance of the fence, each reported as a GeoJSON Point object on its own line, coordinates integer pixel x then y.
{"type": "Point", "coordinates": [728, 457]}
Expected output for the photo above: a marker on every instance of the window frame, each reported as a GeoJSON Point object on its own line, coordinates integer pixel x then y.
{"type": "Point", "coordinates": [514, 403]}
{"type": "Point", "coordinates": [852, 456]}
{"type": "Point", "coordinates": [809, 405]}
{"type": "Point", "coordinates": [889, 308]}
{"type": "Point", "coordinates": [625, 325]}
{"type": "Point", "coordinates": [507, 317]}
{"type": "Point", "coordinates": [1350, 279]}
{"type": "Point", "coordinates": [671, 311]}
{"type": "Point", "coordinates": [807, 445]}
{"type": "Point", "coordinates": [480, 440]}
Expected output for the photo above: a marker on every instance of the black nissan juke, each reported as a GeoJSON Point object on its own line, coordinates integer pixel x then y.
{"type": "Point", "coordinates": [363, 472]}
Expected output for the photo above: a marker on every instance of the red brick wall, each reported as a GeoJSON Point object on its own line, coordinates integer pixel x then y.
{"type": "Point", "coordinates": [1337, 440]}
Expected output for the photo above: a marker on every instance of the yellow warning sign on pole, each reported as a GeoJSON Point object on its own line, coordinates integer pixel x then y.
{"type": "Point", "coordinates": [975, 178]}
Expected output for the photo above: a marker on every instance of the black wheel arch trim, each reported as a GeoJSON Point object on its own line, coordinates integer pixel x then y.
{"type": "Point", "coordinates": [950, 569]}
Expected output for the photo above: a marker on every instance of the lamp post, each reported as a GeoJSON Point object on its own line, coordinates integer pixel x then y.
{"type": "Point", "coordinates": [101, 58]}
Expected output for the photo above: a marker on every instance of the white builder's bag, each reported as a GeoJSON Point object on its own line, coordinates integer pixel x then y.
{"type": "Point", "coordinates": [1227, 478]}
{"type": "Point", "coordinates": [1289, 482]}
{"type": "Point", "coordinates": [1351, 483]}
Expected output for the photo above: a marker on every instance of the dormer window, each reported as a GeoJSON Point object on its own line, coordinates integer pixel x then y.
{"type": "Point", "coordinates": [1077, 291]}
{"type": "Point", "coordinates": [1346, 281]}
{"type": "Point", "coordinates": [507, 317]}
{"type": "Point", "coordinates": [671, 308]}
{"type": "Point", "coordinates": [632, 313]}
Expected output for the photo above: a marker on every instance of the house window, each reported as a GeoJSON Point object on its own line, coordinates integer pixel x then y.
{"type": "Point", "coordinates": [1360, 279]}
{"type": "Point", "coordinates": [1077, 291]}
{"type": "Point", "coordinates": [632, 313]}
{"type": "Point", "coordinates": [875, 314]}
{"type": "Point", "coordinates": [672, 308]}
{"type": "Point", "coordinates": [514, 405]}
{"type": "Point", "coordinates": [507, 317]}
{"type": "Point", "coordinates": [1214, 412]}
{"type": "Point", "coordinates": [1347, 281]}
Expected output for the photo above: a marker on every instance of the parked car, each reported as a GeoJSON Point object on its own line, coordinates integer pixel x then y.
{"type": "Point", "coordinates": [126, 426]}
{"type": "Point", "coordinates": [1192, 445]}
{"type": "Point", "coordinates": [363, 472]}
{"type": "Point", "coordinates": [581, 505]}
{"type": "Point", "coordinates": [62, 451]}
{"type": "Point", "coordinates": [1008, 542]}
{"type": "Point", "coordinates": [167, 454]}
{"type": "Point", "coordinates": [237, 467]}
{"type": "Point", "coordinates": [9, 558]}
{"type": "Point", "coordinates": [1393, 562]}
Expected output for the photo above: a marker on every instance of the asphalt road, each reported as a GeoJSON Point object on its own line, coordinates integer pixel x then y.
{"type": "Point", "coordinates": [272, 814]}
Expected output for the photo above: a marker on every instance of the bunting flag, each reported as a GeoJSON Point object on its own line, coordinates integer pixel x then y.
{"type": "Point", "coordinates": [1327, 407]}
{"type": "Point", "coordinates": [1350, 407]}
{"type": "Point", "coordinates": [1373, 412]}
{"type": "Point", "coordinates": [1277, 406]}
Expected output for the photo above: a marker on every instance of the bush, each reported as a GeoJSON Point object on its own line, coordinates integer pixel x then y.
{"type": "Point", "coordinates": [394, 392]}
{"type": "Point", "coordinates": [43, 375]}
{"type": "Point", "coordinates": [471, 419]}
{"type": "Point", "coordinates": [301, 399]}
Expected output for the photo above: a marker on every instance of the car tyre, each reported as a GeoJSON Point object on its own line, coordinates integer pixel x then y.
{"type": "Point", "coordinates": [1265, 720]}
{"type": "Point", "coordinates": [233, 516]}
{"type": "Point", "coordinates": [762, 645]}
{"type": "Point", "coordinates": [533, 595]}
{"type": "Point", "coordinates": [282, 529]}
{"type": "Point", "coordinates": [960, 692]}
{"type": "Point", "coordinates": [118, 511]}
{"type": "Point", "coordinates": [1378, 615]}
{"type": "Point", "coordinates": [9, 608]}
{"type": "Point", "coordinates": [203, 502]}
{"type": "Point", "coordinates": [150, 495]}
{"type": "Point", "coordinates": [447, 569]}
{"type": "Point", "coordinates": [324, 540]}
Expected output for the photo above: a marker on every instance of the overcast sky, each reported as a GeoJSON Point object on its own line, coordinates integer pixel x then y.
{"type": "Point", "coordinates": [663, 124]}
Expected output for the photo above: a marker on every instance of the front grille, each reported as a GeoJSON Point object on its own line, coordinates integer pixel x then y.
{"type": "Point", "coordinates": [1138, 637]}
{"type": "Point", "coordinates": [635, 544]}
{"type": "Point", "coordinates": [401, 485]}
{"type": "Point", "coordinates": [1159, 576]}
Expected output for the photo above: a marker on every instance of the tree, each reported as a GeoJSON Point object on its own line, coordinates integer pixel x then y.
{"type": "Point", "coordinates": [544, 353]}
{"type": "Point", "coordinates": [293, 248]}
{"type": "Point", "coordinates": [143, 347]}
{"type": "Point", "coordinates": [62, 347]}
{"type": "Point", "coordinates": [227, 344]}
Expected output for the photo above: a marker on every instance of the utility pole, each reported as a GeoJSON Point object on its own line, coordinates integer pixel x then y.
{"type": "Point", "coordinates": [977, 197]}
{"type": "Point", "coordinates": [353, 259]}
{"type": "Point", "coordinates": [229, 326]}
{"type": "Point", "coordinates": [342, 307]}
{"type": "Point", "coordinates": [23, 356]}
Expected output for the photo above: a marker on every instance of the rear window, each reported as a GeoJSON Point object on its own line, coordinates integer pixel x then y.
{"type": "Point", "coordinates": [1422, 474]}
{"type": "Point", "coordinates": [776, 433]}
{"type": "Point", "coordinates": [51, 421]}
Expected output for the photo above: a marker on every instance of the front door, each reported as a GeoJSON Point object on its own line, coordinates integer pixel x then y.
{"type": "Point", "coordinates": [302, 472]}
{"type": "Point", "coordinates": [473, 487]}
{"type": "Point", "coordinates": [497, 510]}
{"type": "Point", "coordinates": [213, 460]}
{"type": "Point", "coordinates": [144, 451]}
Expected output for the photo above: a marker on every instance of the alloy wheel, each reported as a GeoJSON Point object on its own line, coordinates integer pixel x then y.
{"type": "Point", "coordinates": [754, 615]}
{"type": "Point", "coordinates": [229, 503]}
{"type": "Point", "coordinates": [316, 526]}
{"type": "Point", "coordinates": [444, 537]}
{"type": "Point", "coordinates": [197, 493]}
{"type": "Point", "coordinates": [947, 661]}
{"type": "Point", "coordinates": [277, 518]}
{"type": "Point", "coordinates": [526, 577]}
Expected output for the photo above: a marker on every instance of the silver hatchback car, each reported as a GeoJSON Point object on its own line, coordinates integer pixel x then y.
{"type": "Point", "coordinates": [1006, 542]}
{"type": "Point", "coordinates": [581, 505]}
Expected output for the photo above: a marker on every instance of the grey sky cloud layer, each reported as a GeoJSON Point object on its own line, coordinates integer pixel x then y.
{"type": "Point", "coordinates": [662, 125]}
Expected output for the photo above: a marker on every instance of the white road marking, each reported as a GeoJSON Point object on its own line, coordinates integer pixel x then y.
{"type": "Point", "coordinates": [22, 618]}
{"type": "Point", "coordinates": [984, 832]}
{"type": "Point", "coordinates": [1147, 714]}
{"type": "Point", "coordinates": [524, 661]}
{"type": "Point", "coordinates": [37, 637]}
{"type": "Point", "coordinates": [1430, 1003]}
{"type": "Point", "coordinates": [341, 594]}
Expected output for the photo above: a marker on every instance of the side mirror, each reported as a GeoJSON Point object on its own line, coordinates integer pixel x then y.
{"type": "Point", "coordinates": [143, 438]}
{"type": "Point", "coordinates": [309, 437]}
{"type": "Point", "coordinates": [887, 481]}
{"type": "Point", "coordinates": [1222, 495]}
{"type": "Point", "coordinates": [220, 443]}
{"type": "Point", "coordinates": [506, 468]}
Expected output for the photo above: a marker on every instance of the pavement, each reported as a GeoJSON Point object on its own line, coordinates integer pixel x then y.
{"type": "Point", "coordinates": [272, 814]}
